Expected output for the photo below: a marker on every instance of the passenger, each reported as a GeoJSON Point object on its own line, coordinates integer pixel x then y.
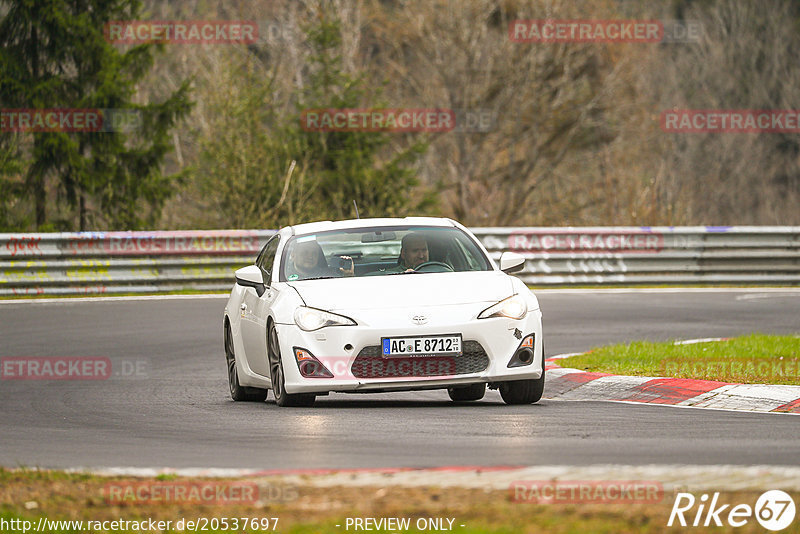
{"type": "Point", "coordinates": [308, 261]}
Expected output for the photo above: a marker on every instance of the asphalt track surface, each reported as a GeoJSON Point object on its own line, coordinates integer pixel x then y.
{"type": "Point", "coordinates": [177, 412]}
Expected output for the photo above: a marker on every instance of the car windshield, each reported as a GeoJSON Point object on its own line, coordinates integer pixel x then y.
{"type": "Point", "coordinates": [397, 250]}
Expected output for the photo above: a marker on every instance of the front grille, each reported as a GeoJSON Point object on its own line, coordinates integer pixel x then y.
{"type": "Point", "coordinates": [371, 364]}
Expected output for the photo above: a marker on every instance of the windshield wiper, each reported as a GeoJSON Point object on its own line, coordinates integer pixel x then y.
{"type": "Point", "coordinates": [318, 278]}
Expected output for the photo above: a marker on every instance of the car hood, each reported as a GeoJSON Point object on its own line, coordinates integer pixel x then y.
{"type": "Point", "coordinates": [404, 290]}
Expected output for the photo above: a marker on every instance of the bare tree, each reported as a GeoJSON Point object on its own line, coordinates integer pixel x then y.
{"type": "Point", "coordinates": [746, 59]}
{"type": "Point", "coordinates": [548, 102]}
{"type": "Point", "coordinates": [574, 137]}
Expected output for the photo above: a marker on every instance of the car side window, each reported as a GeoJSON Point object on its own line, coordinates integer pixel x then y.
{"type": "Point", "coordinates": [267, 258]}
{"type": "Point", "coordinates": [470, 259]}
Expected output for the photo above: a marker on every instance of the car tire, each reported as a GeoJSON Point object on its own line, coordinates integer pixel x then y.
{"type": "Point", "coordinates": [239, 392]}
{"type": "Point", "coordinates": [523, 391]}
{"type": "Point", "coordinates": [472, 392]}
{"type": "Point", "coordinates": [282, 398]}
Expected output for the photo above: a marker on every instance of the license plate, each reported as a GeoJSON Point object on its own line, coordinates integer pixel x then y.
{"type": "Point", "coordinates": [421, 346]}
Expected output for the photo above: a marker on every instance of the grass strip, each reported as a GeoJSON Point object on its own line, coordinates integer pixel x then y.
{"type": "Point", "coordinates": [752, 359]}
{"type": "Point", "coordinates": [301, 509]}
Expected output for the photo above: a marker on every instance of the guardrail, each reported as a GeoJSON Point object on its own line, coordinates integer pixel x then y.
{"type": "Point", "coordinates": [124, 262]}
{"type": "Point", "coordinates": [652, 255]}
{"type": "Point", "coordinates": [131, 262]}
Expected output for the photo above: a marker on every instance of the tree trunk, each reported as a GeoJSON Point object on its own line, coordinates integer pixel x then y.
{"type": "Point", "coordinates": [40, 199]}
{"type": "Point", "coordinates": [81, 211]}
{"type": "Point", "coordinates": [38, 182]}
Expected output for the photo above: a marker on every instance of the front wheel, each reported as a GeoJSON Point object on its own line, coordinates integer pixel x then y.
{"type": "Point", "coordinates": [276, 375]}
{"type": "Point", "coordinates": [523, 391]}
{"type": "Point", "coordinates": [239, 392]}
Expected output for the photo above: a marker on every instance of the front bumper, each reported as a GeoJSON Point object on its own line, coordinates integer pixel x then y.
{"type": "Point", "coordinates": [352, 355]}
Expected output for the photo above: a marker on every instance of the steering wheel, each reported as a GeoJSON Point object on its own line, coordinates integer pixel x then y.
{"type": "Point", "coordinates": [420, 267]}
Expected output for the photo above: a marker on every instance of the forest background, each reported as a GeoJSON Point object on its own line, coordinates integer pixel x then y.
{"type": "Point", "coordinates": [571, 133]}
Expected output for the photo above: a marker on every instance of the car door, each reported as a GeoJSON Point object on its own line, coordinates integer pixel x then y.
{"type": "Point", "coordinates": [254, 311]}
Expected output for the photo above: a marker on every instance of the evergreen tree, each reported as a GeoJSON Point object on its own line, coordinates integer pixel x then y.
{"type": "Point", "coordinates": [346, 164]}
{"type": "Point", "coordinates": [53, 54]}
{"type": "Point", "coordinates": [247, 178]}
{"type": "Point", "coordinates": [10, 167]}
{"type": "Point", "coordinates": [261, 168]}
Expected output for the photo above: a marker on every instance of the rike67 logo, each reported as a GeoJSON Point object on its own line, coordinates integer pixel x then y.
{"type": "Point", "coordinates": [774, 510]}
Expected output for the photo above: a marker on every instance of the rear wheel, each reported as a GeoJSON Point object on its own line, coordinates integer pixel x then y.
{"type": "Point", "coordinates": [276, 375]}
{"type": "Point", "coordinates": [239, 392]}
{"type": "Point", "coordinates": [523, 391]}
{"type": "Point", "coordinates": [472, 392]}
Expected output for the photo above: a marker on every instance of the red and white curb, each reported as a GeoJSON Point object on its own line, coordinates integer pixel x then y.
{"type": "Point", "coordinates": [574, 384]}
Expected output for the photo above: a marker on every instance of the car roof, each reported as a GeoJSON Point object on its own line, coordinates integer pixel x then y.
{"type": "Point", "coordinates": [324, 226]}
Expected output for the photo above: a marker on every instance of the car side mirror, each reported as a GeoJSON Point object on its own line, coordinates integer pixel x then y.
{"type": "Point", "coordinates": [511, 262]}
{"type": "Point", "coordinates": [251, 276]}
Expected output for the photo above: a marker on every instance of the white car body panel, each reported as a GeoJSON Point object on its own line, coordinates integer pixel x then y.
{"type": "Point", "coordinates": [381, 292]}
{"type": "Point", "coordinates": [382, 306]}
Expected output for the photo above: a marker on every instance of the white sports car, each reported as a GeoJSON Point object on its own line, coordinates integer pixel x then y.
{"type": "Point", "coordinates": [378, 305]}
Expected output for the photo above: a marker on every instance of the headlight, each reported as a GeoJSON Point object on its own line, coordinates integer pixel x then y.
{"type": "Point", "coordinates": [313, 319]}
{"type": "Point", "coordinates": [514, 307]}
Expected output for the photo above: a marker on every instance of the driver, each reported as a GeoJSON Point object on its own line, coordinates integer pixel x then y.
{"type": "Point", "coordinates": [413, 253]}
